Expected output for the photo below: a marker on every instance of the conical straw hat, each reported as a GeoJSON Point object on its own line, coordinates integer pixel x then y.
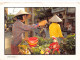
{"type": "Point", "coordinates": [55, 18]}
{"type": "Point", "coordinates": [21, 12]}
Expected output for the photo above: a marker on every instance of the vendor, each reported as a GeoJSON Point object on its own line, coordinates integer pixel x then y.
{"type": "Point", "coordinates": [69, 28]}
{"type": "Point", "coordinates": [19, 27]}
{"type": "Point", "coordinates": [55, 29]}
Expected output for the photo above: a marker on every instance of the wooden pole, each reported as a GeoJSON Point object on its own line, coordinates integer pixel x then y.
{"type": "Point", "coordinates": [33, 20]}
{"type": "Point", "coordinates": [65, 16]}
{"type": "Point", "coordinates": [26, 33]}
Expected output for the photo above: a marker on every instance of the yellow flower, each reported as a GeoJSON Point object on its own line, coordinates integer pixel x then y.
{"type": "Point", "coordinates": [42, 51]}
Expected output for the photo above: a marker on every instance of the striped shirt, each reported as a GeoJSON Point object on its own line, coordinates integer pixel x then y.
{"type": "Point", "coordinates": [18, 29]}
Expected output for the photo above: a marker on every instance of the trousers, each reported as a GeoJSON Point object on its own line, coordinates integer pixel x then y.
{"type": "Point", "coordinates": [14, 50]}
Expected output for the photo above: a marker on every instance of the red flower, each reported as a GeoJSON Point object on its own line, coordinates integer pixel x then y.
{"type": "Point", "coordinates": [53, 37]}
{"type": "Point", "coordinates": [33, 41]}
{"type": "Point", "coordinates": [55, 46]}
{"type": "Point", "coordinates": [57, 49]}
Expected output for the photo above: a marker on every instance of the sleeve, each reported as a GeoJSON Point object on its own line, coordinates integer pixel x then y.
{"type": "Point", "coordinates": [59, 31]}
{"type": "Point", "coordinates": [28, 27]}
{"type": "Point", "coordinates": [51, 30]}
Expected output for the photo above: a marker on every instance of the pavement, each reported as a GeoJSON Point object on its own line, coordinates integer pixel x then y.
{"type": "Point", "coordinates": [8, 38]}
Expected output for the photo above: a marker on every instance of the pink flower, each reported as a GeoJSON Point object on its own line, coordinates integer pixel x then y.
{"type": "Point", "coordinates": [47, 49]}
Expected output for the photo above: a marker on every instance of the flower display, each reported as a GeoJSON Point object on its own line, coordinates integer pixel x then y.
{"type": "Point", "coordinates": [38, 45]}
{"type": "Point", "coordinates": [55, 45]}
{"type": "Point", "coordinates": [23, 49]}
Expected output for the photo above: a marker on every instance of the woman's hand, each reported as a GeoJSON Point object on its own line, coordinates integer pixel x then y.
{"type": "Point", "coordinates": [42, 23]}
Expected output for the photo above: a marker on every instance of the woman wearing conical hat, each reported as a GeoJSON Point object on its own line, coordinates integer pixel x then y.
{"type": "Point", "coordinates": [19, 28]}
{"type": "Point", "coordinates": [55, 29]}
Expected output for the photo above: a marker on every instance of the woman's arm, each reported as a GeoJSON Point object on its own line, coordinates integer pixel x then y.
{"type": "Point", "coordinates": [59, 31]}
{"type": "Point", "coordinates": [29, 27]}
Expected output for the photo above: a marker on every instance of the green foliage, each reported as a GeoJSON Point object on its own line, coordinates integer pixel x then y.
{"type": "Point", "coordinates": [69, 44]}
{"type": "Point", "coordinates": [42, 41]}
{"type": "Point", "coordinates": [42, 44]}
{"type": "Point", "coordinates": [35, 50]}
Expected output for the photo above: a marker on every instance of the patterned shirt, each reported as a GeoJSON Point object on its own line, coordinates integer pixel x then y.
{"type": "Point", "coordinates": [18, 29]}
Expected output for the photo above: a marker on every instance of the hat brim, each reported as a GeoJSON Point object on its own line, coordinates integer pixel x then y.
{"type": "Point", "coordinates": [22, 14]}
{"type": "Point", "coordinates": [55, 18]}
{"type": "Point", "coordinates": [28, 16]}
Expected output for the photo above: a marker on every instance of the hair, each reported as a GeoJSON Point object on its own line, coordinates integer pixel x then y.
{"type": "Point", "coordinates": [20, 17]}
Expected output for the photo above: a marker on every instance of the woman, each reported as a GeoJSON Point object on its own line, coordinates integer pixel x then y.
{"type": "Point", "coordinates": [55, 29]}
{"type": "Point", "coordinates": [69, 28]}
{"type": "Point", "coordinates": [19, 28]}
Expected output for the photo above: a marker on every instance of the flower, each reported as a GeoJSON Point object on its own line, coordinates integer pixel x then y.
{"type": "Point", "coordinates": [47, 53]}
{"type": "Point", "coordinates": [53, 37]}
{"type": "Point", "coordinates": [42, 52]}
{"type": "Point", "coordinates": [47, 49]}
{"type": "Point", "coordinates": [33, 41]}
{"type": "Point", "coordinates": [55, 46]}
{"type": "Point", "coordinates": [55, 40]}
